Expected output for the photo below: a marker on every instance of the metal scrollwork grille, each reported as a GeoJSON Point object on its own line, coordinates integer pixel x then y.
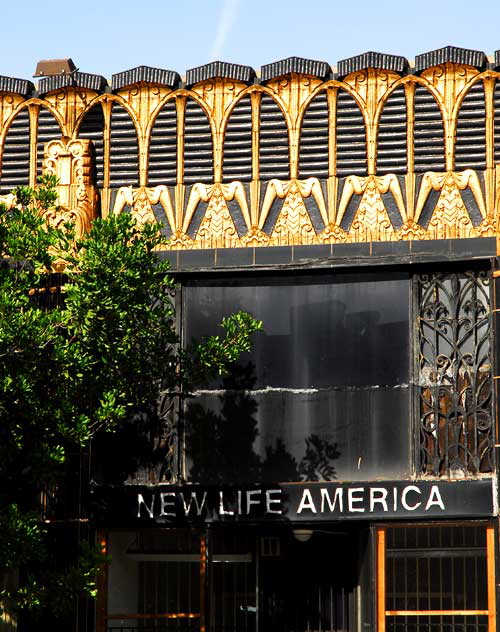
{"type": "Point", "coordinates": [455, 374]}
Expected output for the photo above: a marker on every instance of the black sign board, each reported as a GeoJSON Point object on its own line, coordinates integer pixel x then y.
{"type": "Point", "coordinates": [293, 502]}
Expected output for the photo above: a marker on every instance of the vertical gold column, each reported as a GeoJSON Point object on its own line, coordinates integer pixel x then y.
{"type": "Point", "coordinates": [449, 119]}
{"type": "Point", "coordinates": [489, 95]}
{"type": "Point", "coordinates": [180, 187]}
{"type": "Point", "coordinates": [105, 198]}
{"type": "Point", "coordinates": [294, 125]}
{"type": "Point", "coordinates": [381, 580]}
{"type": "Point", "coordinates": [203, 581]}
{"type": "Point", "coordinates": [490, 552]}
{"type": "Point", "coordinates": [216, 123]}
{"type": "Point", "coordinates": [255, 98]}
{"type": "Point", "coordinates": [370, 122]}
{"type": "Point", "coordinates": [33, 115]}
{"type": "Point", "coordinates": [410, 148]}
{"type": "Point", "coordinates": [143, 118]}
{"type": "Point", "coordinates": [142, 139]}
{"type": "Point", "coordinates": [332, 184]}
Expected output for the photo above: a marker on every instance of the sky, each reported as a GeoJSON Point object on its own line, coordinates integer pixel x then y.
{"type": "Point", "coordinates": [108, 36]}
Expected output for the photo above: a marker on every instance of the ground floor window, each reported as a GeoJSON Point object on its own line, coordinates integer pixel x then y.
{"type": "Point", "coordinates": [231, 580]}
{"type": "Point", "coordinates": [155, 581]}
{"type": "Point", "coordinates": [345, 577]}
{"type": "Point", "coordinates": [436, 578]}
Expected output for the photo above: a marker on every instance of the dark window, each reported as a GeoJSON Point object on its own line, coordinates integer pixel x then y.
{"type": "Point", "coordinates": [324, 393]}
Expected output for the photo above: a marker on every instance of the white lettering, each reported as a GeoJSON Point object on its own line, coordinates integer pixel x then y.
{"type": "Point", "coordinates": [167, 500]}
{"type": "Point", "coordinates": [222, 511]}
{"type": "Point", "coordinates": [250, 500]}
{"type": "Point", "coordinates": [194, 497]}
{"type": "Point", "coordinates": [378, 495]}
{"type": "Point", "coordinates": [434, 498]}
{"type": "Point", "coordinates": [306, 502]}
{"type": "Point", "coordinates": [410, 488]}
{"type": "Point", "coordinates": [239, 502]}
{"type": "Point", "coordinates": [395, 498]}
{"type": "Point", "coordinates": [272, 501]}
{"type": "Point", "coordinates": [141, 501]}
{"type": "Point", "coordinates": [337, 497]}
{"type": "Point", "coordinates": [351, 498]}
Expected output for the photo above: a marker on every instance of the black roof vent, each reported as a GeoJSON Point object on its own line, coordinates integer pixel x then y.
{"type": "Point", "coordinates": [451, 54]}
{"type": "Point", "coordinates": [372, 59]}
{"type": "Point", "coordinates": [297, 65]}
{"type": "Point", "coordinates": [221, 69]}
{"type": "Point", "coordinates": [145, 73]}
{"type": "Point", "coordinates": [17, 86]}
{"type": "Point", "coordinates": [97, 83]}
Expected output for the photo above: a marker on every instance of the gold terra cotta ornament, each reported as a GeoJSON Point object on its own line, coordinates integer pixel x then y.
{"type": "Point", "coordinates": [71, 162]}
{"type": "Point", "coordinates": [70, 158]}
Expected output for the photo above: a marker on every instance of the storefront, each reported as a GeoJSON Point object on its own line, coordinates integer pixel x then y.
{"type": "Point", "coordinates": [340, 480]}
{"type": "Point", "coordinates": [321, 556]}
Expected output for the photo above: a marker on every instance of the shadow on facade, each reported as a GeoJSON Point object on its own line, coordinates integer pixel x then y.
{"type": "Point", "coordinates": [222, 433]}
{"type": "Point", "coordinates": [222, 443]}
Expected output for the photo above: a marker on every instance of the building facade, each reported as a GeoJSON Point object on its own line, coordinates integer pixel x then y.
{"type": "Point", "coordinates": [343, 477]}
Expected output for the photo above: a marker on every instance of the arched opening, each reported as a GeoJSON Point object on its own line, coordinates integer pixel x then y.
{"type": "Point", "coordinates": [392, 156]}
{"type": "Point", "coordinates": [428, 137]}
{"type": "Point", "coordinates": [162, 168]}
{"type": "Point", "coordinates": [198, 147]}
{"type": "Point", "coordinates": [92, 127]}
{"type": "Point", "coordinates": [351, 137]}
{"type": "Point", "coordinates": [124, 149]}
{"type": "Point", "coordinates": [274, 151]}
{"type": "Point", "coordinates": [48, 129]}
{"type": "Point", "coordinates": [313, 147]}
{"type": "Point", "coordinates": [470, 142]}
{"type": "Point", "coordinates": [237, 164]}
{"type": "Point", "coordinates": [16, 154]}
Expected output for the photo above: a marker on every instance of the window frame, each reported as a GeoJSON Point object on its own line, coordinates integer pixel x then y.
{"type": "Point", "coordinates": [381, 577]}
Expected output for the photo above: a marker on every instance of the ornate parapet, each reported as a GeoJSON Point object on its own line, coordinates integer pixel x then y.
{"type": "Point", "coordinates": [375, 152]}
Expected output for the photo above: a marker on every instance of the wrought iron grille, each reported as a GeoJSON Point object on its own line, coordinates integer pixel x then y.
{"type": "Point", "coordinates": [455, 374]}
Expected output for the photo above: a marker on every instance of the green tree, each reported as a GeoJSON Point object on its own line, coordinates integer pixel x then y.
{"type": "Point", "coordinates": [79, 365]}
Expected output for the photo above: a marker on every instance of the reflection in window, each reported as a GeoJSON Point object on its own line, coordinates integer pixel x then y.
{"type": "Point", "coordinates": [323, 395]}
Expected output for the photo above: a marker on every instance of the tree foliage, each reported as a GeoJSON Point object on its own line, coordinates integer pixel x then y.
{"type": "Point", "coordinates": [80, 366]}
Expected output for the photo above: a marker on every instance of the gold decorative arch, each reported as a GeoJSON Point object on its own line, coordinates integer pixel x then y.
{"type": "Point", "coordinates": [294, 203]}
